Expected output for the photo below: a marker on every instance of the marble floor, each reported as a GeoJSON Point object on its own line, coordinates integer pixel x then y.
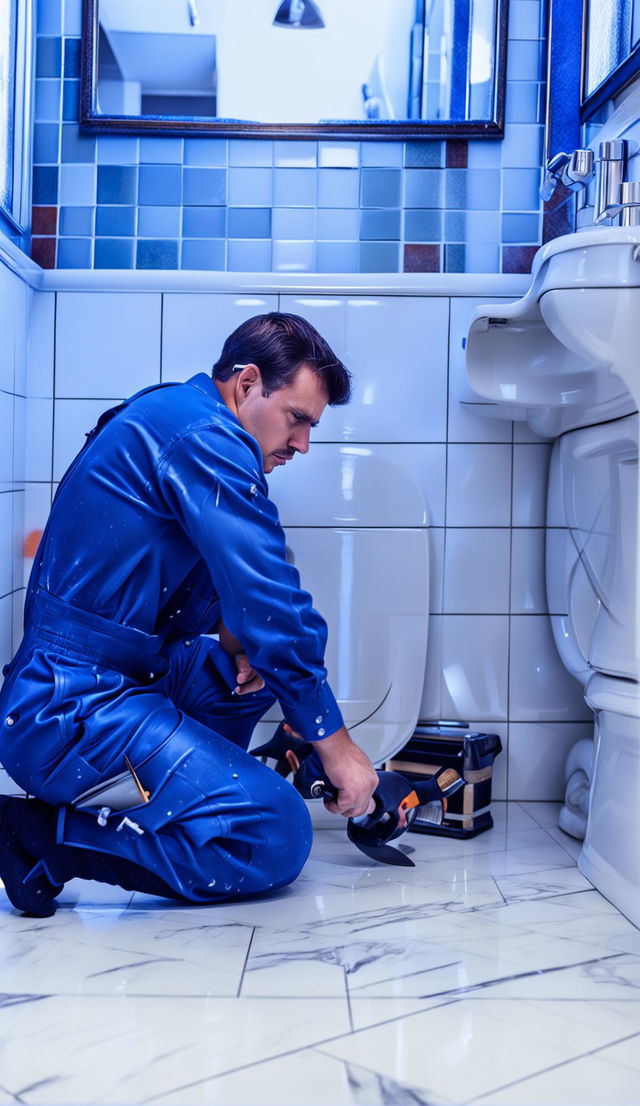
{"type": "Point", "coordinates": [490, 973]}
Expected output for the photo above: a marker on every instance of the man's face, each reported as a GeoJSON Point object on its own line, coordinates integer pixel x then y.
{"type": "Point", "coordinates": [281, 422]}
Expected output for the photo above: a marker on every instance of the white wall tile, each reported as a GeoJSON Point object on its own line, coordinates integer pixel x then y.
{"type": "Point", "coordinates": [479, 485]}
{"type": "Point", "coordinates": [396, 348]}
{"type": "Point", "coordinates": [538, 753]}
{"type": "Point", "coordinates": [473, 663]}
{"type": "Point", "coordinates": [17, 611]}
{"type": "Point", "coordinates": [40, 345]}
{"type": "Point", "coordinates": [540, 688]}
{"type": "Point", "coordinates": [22, 298]}
{"type": "Point", "coordinates": [73, 419]}
{"type": "Point", "coordinates": [431, 703]}
{"type": "Point", "coordinates": [196, 325]}
{"type": "Point", "coordinates": [12, 323]}
{"type": "Point", "coordinates": [528, 587]}
{"type": "Point", "coordinates": [464, 424]}
{"type": "Point", "coordinates": [17, 532]}
{"type": "Point", "coordinates": [6, 631]}
{"type": "Point", "coordinates": [530, 478]}
{"type": "Point", "coordinates": [37, 505]}
{"type": "Point", "coordinates": [19, 439]}
{"type": "Point", "coordinates": [7, 500]}
{"type": "Point", "coordinates": [6, 440]}
{"type": "Point", "coordinates": [38, 438]}
{"type": "Point", "coordinates": [107, 343]}
{"type": "Point", "coordinates": [476, 571]}
{"type": "Point", "coordinates": [436, 569]}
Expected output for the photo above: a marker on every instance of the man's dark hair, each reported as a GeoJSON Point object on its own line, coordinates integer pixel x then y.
{"type": "Point", "coordinates": [280, 344]}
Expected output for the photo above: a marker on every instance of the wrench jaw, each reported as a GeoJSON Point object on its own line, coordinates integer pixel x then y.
{"type": "Point", "coordinates": [397, 798]}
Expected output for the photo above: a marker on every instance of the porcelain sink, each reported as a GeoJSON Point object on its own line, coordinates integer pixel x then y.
{"type": "Point", "coordinates": [564, 355]}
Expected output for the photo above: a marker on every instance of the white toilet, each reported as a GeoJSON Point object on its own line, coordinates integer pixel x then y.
{"type": "Point", "coordinates": [591, 551]}
{"type": "Point", "coordinates": [356, 526]}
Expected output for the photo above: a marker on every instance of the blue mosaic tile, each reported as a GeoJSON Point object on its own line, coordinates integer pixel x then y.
{"type": "Point", "coordinates": [204, 254]}
{"type": "Point", "coordinates": [520, 189]}
{"type": "Point", "coordinates": [117, 184]}
{"type": "Point", "coordinates": [520, 228]}
{"type": "Point", "coordinates": [482, 226]}
{"type": "Point", "coordinates": [77, 147]}
{"type": "Point", "coordinates": [522, 146]}
{"type": "Point", "coordinates": [293, 257]}
{"type": "Point", "coordinates": [45, 143]}
{"type": "Point", "coordinates": [424, 155]}
{"type": "Point", "coordinates": [206, 152]}
{"type": "Point", "coordinates": [71, 67]}
{"type": "Point", "coordinates": [48, 100]}
{"type": "Point", "coordinates": [160, 185]}
{"type": "Point", "coordinates": [481, 258]}
{"type": "Point", "coordinates": [388, 154]}
{"type": "Point", "coordinates": [456, 187]}
{"type": "Point", "coordinates": [118, 150]}
{"type": "Point", "coordinates": [72, 17]}
{"type": "Point", "coordinates": [378, 224]}
{"type": "Point", "coordinates": [45, 185]}
{"type": "Point", "coordinates": [74, 253]}
{"type": "Point", "coordinates": [201, 187]}
{"type": "Point", "coordinates": [48, 57]}
{"type": "Point", "coordinates": [381, 187]}
{"type": "Point", "coordinates": [524, 61]}
{"type": "Point", "coordinates": [249, 257]}
{"type": "Point", "coordinates": [159, 222]}
{"type": "Point", "coordinates": [338, 187]}
{"type": "Point", "coordinates": [295, 187]}
{"type": "Point", "coordinates": [423, 187]}
{"type": "Point", "coordinates": [118, 220]}
{"type": "Point", "coordinates": [71, 101]}
{"type": "Point", "coordinates": [204, 222]}
{"type": "Point", "coordinates": [422, 225]}
{"type": "Point", "coordinates": [49, 18]}
{"type": "Point", "coordinates": [114, 253]}
{"type": "Point", "coordinates": [249, 222]}
{"type": "Point", "coordinates": [338, 223]}
{"type": "Point", "coordinates": [337, 257]}
{"type": "Point", "coordinates": [250, 186]}
{"type": "Point", "coordinates": [299, 155]}
{"type": "Point", "coordinates": [161, 151]}
{"type": "Point", "coordinates": [454, 226]}
{"type": "Point", "coordinates": [156, 254]}
{"type": "Point", "coordinates": [294, 222]}
{"type": "Point", "coordinates": [454, 258]}
{"type": "Point", "coordinates": [77, 185]}
{"type": "Point", "coordinates": [248, 151]}
{"type": "Point", "coordinates": [379, 257]}
{"type": "Point", "coordinates": [339, 155]}
{"type": "Point", "coordinates": [523, 102]}
{"type": "Point", "coordinates": [76, 221]}
{"type": "Point", "coordinates": [483, 188]}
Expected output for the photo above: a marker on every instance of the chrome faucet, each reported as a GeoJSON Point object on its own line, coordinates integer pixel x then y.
{"type": "Point", "coordinates": [628, 206]}
{"type": "Point", "coordinates": [610, 167]}
{"type": "Point", "coordinates": [574, 170]}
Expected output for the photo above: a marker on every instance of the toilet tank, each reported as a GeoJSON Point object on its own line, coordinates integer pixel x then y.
{"type": "Point", "coordinates": [356, 525]}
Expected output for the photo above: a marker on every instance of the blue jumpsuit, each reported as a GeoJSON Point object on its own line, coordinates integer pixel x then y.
{"type": "Point", "coordinates": [161, 526]}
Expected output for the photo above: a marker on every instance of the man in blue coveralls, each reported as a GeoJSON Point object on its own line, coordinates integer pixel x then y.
{"type": "Point", "coordinates": [161, 533]}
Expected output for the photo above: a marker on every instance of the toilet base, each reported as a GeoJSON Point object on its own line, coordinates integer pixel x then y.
{"type": "Point", "coordinates": [610, 857]}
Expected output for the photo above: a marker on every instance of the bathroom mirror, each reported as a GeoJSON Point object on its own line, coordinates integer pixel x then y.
{"type": "Point", "coordinates": [611, 50]}
{"type": "Point", "coordinates": [392, 69]}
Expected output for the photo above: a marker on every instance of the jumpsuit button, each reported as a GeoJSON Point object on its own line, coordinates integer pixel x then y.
{"type": "Point", "coordinates": [152, 675]}
{"type": "Point", "coordinates": [321, 732]}
{"type": "Point", "coordinates": [253, 489]}
{"type": "Point", "coordinates": [318, 720]}
{"type": "Point", "coordinates": [9, 720]}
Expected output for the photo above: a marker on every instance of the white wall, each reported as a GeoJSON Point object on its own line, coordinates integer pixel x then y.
{"type": "Point", "coordinates": [491, 657]}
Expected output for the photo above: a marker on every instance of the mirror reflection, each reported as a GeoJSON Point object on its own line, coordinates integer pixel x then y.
{"type": "Point", "coordinates": [296, 62]}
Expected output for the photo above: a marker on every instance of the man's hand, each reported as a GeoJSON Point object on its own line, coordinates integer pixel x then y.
{"type": "Point", "coordinates": [350, 770]}
{"type": "Point", "coordinates": [248, 679]}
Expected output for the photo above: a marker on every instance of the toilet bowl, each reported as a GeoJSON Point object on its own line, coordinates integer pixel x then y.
{"type": "Point", "coordinates": [356, 528]}
{"type": "Point", "coordinates": [610, 857]}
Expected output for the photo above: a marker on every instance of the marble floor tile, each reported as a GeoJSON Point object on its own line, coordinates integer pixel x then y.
{"type": "Point", "coordinates": [490, 972]}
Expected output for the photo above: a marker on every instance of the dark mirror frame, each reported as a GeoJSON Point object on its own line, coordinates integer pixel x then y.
{"type": "Point", "coordinates": [612, 84]}
{"type": "Point", "coordinates": [404, 129]}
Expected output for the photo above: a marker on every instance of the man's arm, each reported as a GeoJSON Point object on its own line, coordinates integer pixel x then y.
{"type": "Point", "coordinates": [350, 770]}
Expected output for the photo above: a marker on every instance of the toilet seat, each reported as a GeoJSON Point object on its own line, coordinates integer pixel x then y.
{"type": "Point", "coordinates": [610, 857]}
{"type": "Point", "coordinates": [356, 527]}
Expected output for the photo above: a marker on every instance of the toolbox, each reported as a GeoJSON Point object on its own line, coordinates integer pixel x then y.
{"type": "Point", "coordinates": [435, 745]}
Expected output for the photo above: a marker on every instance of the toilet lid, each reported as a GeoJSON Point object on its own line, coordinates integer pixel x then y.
{"type": "Point", "coordinates": [612, 694]}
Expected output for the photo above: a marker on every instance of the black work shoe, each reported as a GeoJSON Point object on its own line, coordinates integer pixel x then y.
{"type": "Point", "coordinates": [36, 897]}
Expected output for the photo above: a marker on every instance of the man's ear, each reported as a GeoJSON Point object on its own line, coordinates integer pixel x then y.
{"type": "Point", "coordinates": [247, 380]}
